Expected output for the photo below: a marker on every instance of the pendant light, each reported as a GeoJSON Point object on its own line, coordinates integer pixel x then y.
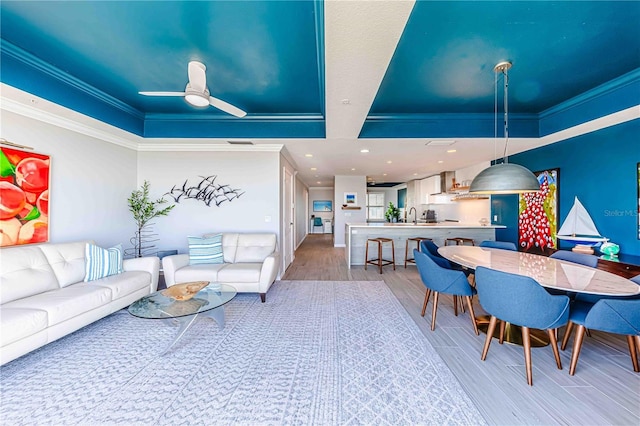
{"type": "Point", "coordinates": [504, 178]}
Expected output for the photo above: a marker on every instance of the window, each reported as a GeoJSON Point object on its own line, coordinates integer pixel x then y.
{"type": "Point", "coordinates": [375, 206]}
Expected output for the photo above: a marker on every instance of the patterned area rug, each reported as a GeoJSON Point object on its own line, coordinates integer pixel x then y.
{"type": "Point", "coordinates": [317, 353]}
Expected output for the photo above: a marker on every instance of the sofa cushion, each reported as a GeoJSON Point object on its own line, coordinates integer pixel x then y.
{"type": "Point", "coordinates": [67, 302]}
{"type": "Point", "coordinates": [205, 250]}
{"type": "Point", "coordinates": [229, 245]}
{"type": "Point", "coordinates": [124, 284]}
{"type": "Point", "coordinates": [24, 272]}
{"type": "Point", "coordinates": [67, 261]}
{"type": "Point", "coordinates": [203, 272]}
{"type": "Point", "coordinates": [240, 273]}
{"type": "Point", "coordinates": [255, 247]}
{"type": "Point", "coordinates": [100, 263]}
{"type": "Point", "coordinates": [18, 323]}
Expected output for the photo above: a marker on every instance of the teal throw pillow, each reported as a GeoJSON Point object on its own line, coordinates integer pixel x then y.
{"type": "Point", "coordinates": [100, 263]}
{"type": "Point", "coordinates": [205, 250]}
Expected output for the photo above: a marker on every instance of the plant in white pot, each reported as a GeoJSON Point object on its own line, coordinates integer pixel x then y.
{"type": "Point", "coordinates": [144, 210]}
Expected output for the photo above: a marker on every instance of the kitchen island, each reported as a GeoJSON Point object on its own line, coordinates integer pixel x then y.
{"type": "Point", "coordinates": [356, 235]}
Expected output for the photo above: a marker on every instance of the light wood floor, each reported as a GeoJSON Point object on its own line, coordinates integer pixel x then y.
{"type": "Point", "coordinates": [604, 390]}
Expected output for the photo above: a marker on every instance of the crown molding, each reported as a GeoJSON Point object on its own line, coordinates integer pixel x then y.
{"type": "Point", "coordinates": [32, 62]}
{"type": "Point", "coordinates": [66, 123]}
{"type": "Point", "coordinates": [206, 147]}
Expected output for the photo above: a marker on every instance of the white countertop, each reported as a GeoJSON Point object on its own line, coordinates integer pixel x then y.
{"type": "Point", "coordinates": [410, 225]}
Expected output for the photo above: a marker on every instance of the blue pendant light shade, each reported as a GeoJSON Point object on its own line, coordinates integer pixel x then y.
{"type": "Point", "coordinates": [504, 178]}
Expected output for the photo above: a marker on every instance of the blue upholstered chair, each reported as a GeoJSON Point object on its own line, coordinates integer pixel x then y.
{"type": "Point", "coordinates": [619, 316]}
{"type": "Point", "coordinates": [504, 245]}
{"type": "Point", "coordinates": [521, 301]}
{"type": "Point", "coordinates": [438, 279]}
{"type": "Point", "coordinates": [570, 256]}
{"type": "Point", "coordinates": [317, 222]}
{"type": "Point", "coordinates": [428, 246]}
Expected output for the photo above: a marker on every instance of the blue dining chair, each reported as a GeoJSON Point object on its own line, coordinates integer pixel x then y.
{"type": "Point", "coordinates": [317, 222]}
{"type": "Point", "coordinates": [581, 258]}
{"type": "Point", "coordinates": [438, 279]}
{"type": "Point", "coordinates": [430, 249]}
{"type": "Point", "coordinates": [504, 245]}
{"type": "Point", "coordinates": [619, 316]}
{"type": "Point", "coordinates": [520, 300]}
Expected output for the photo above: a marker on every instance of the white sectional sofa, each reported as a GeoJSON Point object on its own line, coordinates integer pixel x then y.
{"type": "Point", "coordinates": [43, 296]}
{"type": "Point", "coordinates": [251, 264]}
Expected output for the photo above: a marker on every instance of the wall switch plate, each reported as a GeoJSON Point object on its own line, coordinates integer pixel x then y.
{"type": "Point", "coordinates": [495, 217]}
{"type": "Point", "coordinates": [267, 219]}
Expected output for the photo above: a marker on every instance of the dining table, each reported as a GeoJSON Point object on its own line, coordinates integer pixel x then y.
{"type": "Point", "coordinates": [550, 273]}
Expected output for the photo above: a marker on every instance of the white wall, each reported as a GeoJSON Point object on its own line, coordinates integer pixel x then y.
{"type": "Point", "coordinates": [302, 211]}
{"type": "Point", "coordinates": [318, 194]}
{"type": "Point", "coordinates": [255, 173]}
{"type": "Point", "coordinates": [90, 181]}
{"type": "Point", "coordinates": [358, 185]}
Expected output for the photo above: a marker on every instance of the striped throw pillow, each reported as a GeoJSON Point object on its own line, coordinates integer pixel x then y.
{"type": "Point", "coordinates": [205, 250]}
{"type": "Point", "coordinates": [100, 263]}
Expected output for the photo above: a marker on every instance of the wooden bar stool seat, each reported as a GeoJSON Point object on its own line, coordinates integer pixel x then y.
{"type": "Point", "coordinates": [380, 262]}
{"type": "Point", "coordinates": [460, 241]}
{"type": "Point", "coordinates": [417, 240]}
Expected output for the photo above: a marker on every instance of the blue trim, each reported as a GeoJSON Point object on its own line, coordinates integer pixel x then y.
{"type": "Point", "coordinates": [319, 11]}
{"type": "Point", "coordinates": [613, 96]}
{"type": "Point", "coordinates": [446, 125]}
{"type": "Point", "coordinates": [26, 72]}
{"type": "Point", "coordinates": [248, 127]}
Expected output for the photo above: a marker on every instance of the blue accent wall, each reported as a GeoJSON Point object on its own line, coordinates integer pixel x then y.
{"type": "Point", "coordinates": [600, 168]}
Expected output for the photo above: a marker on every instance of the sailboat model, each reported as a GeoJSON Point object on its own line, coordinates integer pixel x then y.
{"type": "Point", "coordinates": [579, 228]}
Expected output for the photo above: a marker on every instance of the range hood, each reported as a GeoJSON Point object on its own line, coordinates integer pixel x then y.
{"type": "Point", "coordinates": [447, 180]}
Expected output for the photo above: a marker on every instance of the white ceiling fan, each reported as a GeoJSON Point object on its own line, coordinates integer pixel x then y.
{"type": "Point", "coordinates": [197, 94]}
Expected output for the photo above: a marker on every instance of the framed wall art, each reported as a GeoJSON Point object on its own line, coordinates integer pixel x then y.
{"type": "Point", "coordinates": [24, 197]}
{"type": "Point", "coordinates": [322, 206]}
{"type": "Point", "coordinates": [538, 214]}
{"type": "Point", "coordinates": [351, 198]}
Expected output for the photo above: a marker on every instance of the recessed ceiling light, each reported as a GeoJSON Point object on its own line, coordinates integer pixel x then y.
{"type": "Point", "coordinates": [440, 161]}
{"type": "Point", "coordinates": [318, 182]}
{"type": "Point", "coordinates": [314, 168]}
{"type": "Point", "coordinates": [415, 174]}
{"type": "Point", "coordinates": [308, 155]}
{"type": "Point", "coordinates": [389, 162]}
{"type": "Point", "coordinates": [353, 169]}
{"type": "Point", "coordinates": [364, 151]}
{"type": "Point", "coordinates": [384, 174]}
{"type": "Point", "coordinates": [451, 150]}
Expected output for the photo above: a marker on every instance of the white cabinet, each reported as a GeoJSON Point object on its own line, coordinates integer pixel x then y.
{"type": "Point", "coordinates": [429, 186]}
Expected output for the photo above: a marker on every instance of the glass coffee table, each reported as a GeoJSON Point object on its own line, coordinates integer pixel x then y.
{"type": "Point", "coordinates": [209, 301]}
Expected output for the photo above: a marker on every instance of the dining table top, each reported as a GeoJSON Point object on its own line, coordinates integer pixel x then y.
{"type": "Point", "coordinates": [548, 272]}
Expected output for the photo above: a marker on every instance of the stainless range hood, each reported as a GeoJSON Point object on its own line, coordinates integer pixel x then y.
{"type": "Point", "coordinates": [446, 182]}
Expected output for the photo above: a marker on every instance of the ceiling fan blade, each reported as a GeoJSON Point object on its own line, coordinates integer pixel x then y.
{"type": "Point", "coordinates": [197, 76]}
{"type": "Point", "coordinates": [162, 93]}
{"type": "Point", "coordinates": [226, 107]}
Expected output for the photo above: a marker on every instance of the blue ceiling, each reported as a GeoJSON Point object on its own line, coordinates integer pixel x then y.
{"type": "Point", "coordinates": [267, 57]}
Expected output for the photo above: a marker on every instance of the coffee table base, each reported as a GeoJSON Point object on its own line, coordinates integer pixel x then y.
{"type": "Point", "coordinates": [217, 314]}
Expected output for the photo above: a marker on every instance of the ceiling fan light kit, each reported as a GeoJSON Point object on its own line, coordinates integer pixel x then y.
{"type": "Point", "coordinates": [504, 178]}
{"type": "Point", "coordinates": [197, 94]}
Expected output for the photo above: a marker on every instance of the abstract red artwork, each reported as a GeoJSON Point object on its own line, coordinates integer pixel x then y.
{"type": "Point", "coordinates": [24, 197]}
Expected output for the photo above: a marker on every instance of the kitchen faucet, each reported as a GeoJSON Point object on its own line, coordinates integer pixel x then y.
{"type": "Point", "coordinates": [415, 215]}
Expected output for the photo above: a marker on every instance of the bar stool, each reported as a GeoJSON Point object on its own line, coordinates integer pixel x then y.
{"type": "Point", "coordinates": [460, 241]}
{"type": "Point", "coordinates": [417, 240]}
{"type": "Point", "coordinates": [380, 262]}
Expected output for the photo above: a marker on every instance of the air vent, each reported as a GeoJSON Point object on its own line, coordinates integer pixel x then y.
{"type": "Point", "coordinates": [440, 143]}
{"type": "Point", "coordinates": [240, 142]}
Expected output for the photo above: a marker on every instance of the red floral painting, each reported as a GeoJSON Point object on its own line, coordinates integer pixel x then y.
{"type": "Point", "coordinates": [538, 214]}
{"type": "Point", "coordinates": [24, 197]}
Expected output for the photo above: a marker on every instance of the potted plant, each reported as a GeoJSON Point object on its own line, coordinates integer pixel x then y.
{"type": "Point", "coordinates": [144, 210]}
{"type": "Point", "coordinates": [392, 214]}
